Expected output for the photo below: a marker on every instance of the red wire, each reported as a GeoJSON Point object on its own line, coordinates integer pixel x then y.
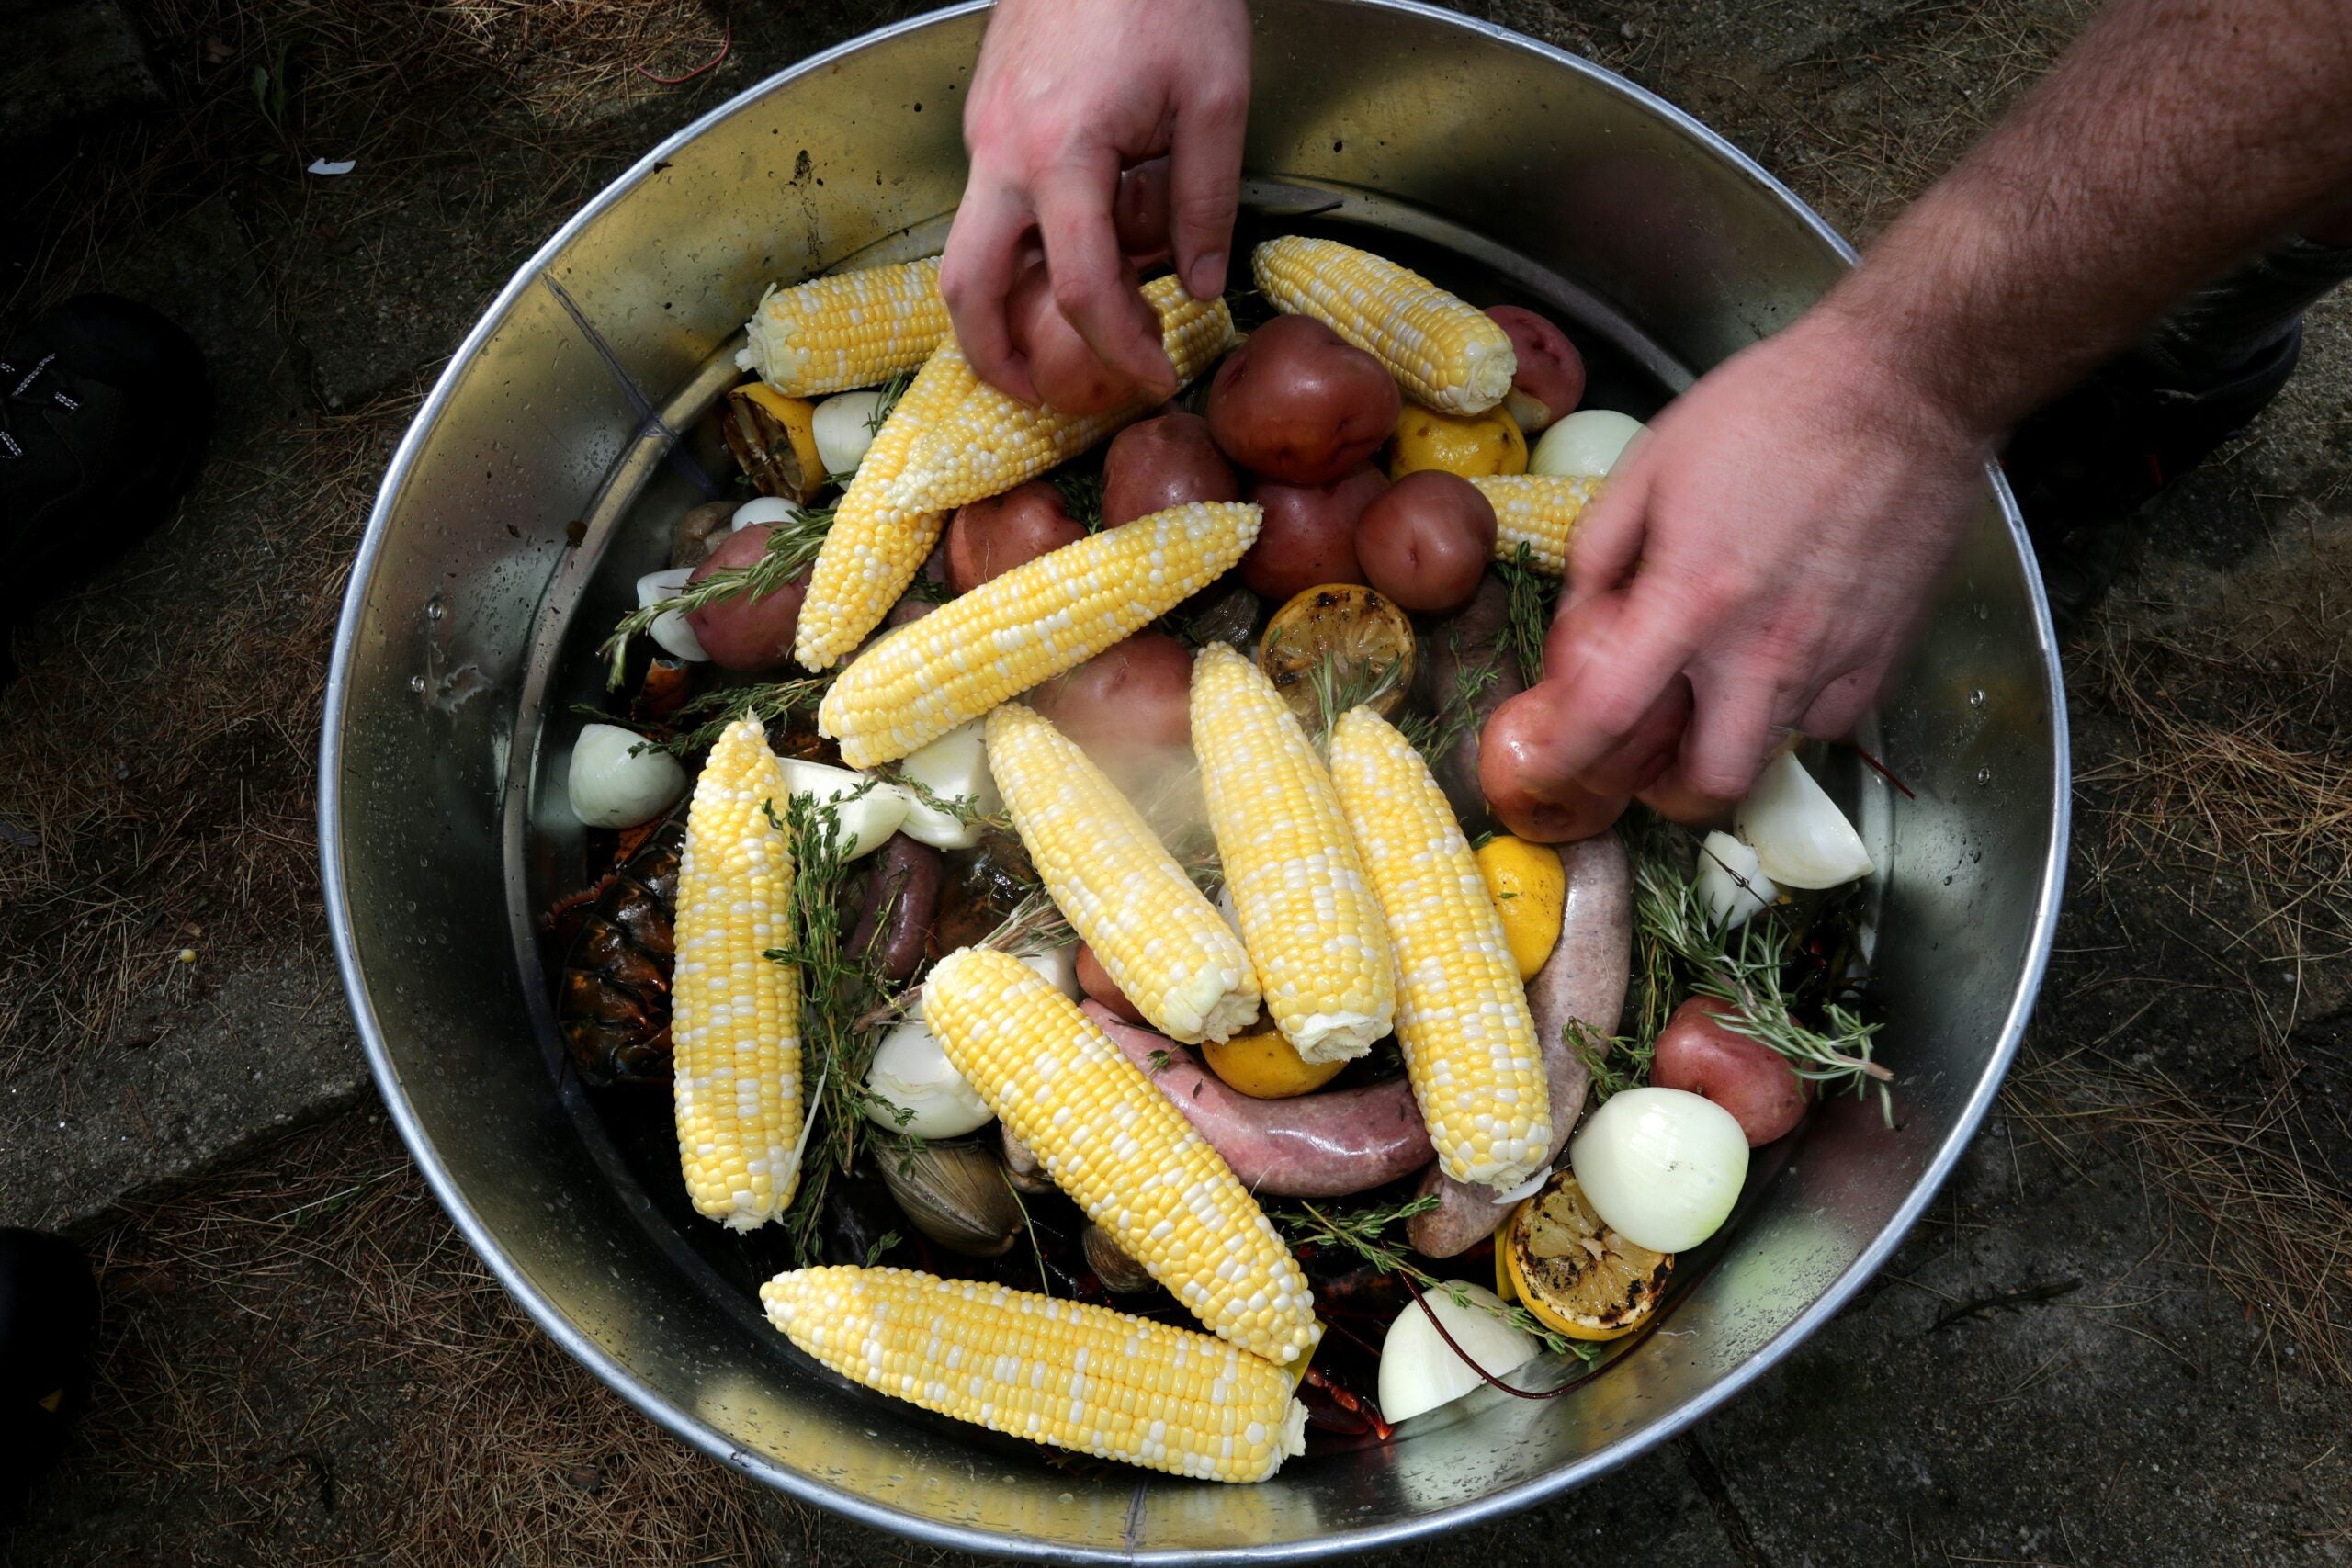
{"type": "Point", "coordinates": [1880, 770]}
{"type": "Point", "coordinates": [725, 43]}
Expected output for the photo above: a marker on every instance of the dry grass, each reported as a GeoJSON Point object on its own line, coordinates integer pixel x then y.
{"type": "Point", "coordinates": [2220, 837]}
{"type": "Point", "coordinates": [305, 1364]}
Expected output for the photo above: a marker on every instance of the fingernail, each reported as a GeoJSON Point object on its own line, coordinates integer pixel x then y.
{"type": "Point", "coordinates": [1208, 274]}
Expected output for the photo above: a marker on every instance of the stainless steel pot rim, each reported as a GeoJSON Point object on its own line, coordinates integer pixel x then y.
{"type": "Point", "coordinates": [806, 1488]}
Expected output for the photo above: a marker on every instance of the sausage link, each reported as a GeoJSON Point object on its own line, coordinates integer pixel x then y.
{"type": "Point", "coordinates": [1585, 979]}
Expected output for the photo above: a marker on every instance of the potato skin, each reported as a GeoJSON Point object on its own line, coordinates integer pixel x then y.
{"type": "Point", "coordinates": [748, 633]}
{"type": "Point", "coordinates": [1096, 982]}
{"type": "Point", "coordinates": [1298, 405]}
{"type": "Point", "coordinates": [989, 538]}
{"type": "Point", "coordinates": [1550, 369]}
{"type": "Point", "coordinates": [1426, 540]}
{"type": "Point", "coordinates": [1162, 463]}
{"type": "Point", "coordinates": [1134, 694]}
{"type": "Point", "coordinates": [1752, 1081]}
{"type": "Point", "coordinates": [1062, 368]}
{"type": "Point", "coordinates": [1308, 537]}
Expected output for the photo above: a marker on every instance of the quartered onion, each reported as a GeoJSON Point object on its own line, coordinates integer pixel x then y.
{"type": "Point", "coordinates": [770, 509]}
{"type": "Point", "coordinates": [844, 430]}
{"type": "Point", "coordinates": [1661, 1166]}
{"type": "Point", "coordinates": [612, 784]}
{"type": "Point", "coordinates": [911, 1073]}
{"type": "Point", "coordinates": [1731, 883]}
{"type": "Point", "coordinates": [867, 820]}
{"type": "Point", "coordinates": [671, 631]}
{"type": "Point", "coordinates": [954, 767]}
{"type": "Point", "coordinates": [1419, 1371]}
{"type": "Point", "coordinates": [1800, 837]}
{"type": "Point", "coordinates": [1588, 441]}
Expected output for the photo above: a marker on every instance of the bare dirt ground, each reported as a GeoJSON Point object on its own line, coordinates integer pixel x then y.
{"type": "Point", "coordinates": [2125, 1335]}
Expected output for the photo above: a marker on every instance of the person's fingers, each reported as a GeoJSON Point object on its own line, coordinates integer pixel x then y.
{"type": "Point", "coordinates": [976, 276]}
{"type": "Point", "coordinates": [1635, 763]}
{"type": "Point", "coordinates": [1614, 656]}
{"type": "Point", "coordinates": [1608, 537]}
{"type": "Point", "coordinates": [1205, 189]}
{"type": "Point", "coordinates": [1843, 702]}
{"type": "Point", "coordinates": [1082, 253]}
{"type": "Point", "coordinates": [1140, 212]}
{"type": "Point", "coordinates": [1738, 718]}
{"type": "Point", "coordinates": [1526, 779]}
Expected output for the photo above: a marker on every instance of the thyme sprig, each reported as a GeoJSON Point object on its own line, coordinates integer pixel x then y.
{"type": "Point", "coordinates": [701, 719]}
{"type": "Point", "coordinates": [791, 546]}
{"type": "Point", "coordinates": [1531, 597]}
{"type": "Point", "coordinates": [1360, 1233]}
{"type": "Point", "coordinates": [1082, 492]}
{"type": "Point", "coordinates": [1744, 967]}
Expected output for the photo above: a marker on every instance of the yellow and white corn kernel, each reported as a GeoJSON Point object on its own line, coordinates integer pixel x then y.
{"type": "Point", "coordinates": [1083, 1378]}
{"type": "Point", "coordinates": [873, 549]}
{"type": "Point", "coordinates": [1164, 945]}
{"type": "Point", "coordinates": [1120, 1150]}
{"type": "Point", "coordinates": [734, 1019]}
{"type": "Point", "coordinates": [989, 442]}
{"type": "Point", "coordinates": [1043, 616]}
{"type": "Point", "coordinates": [1443, 352]}
{"type": "Point", "coordinates": [1470, 1047]}
{"type": "Point", "coordinates": [1313, 931]}
{"type": "Point", "coordinates": [852, 329]}
{"type": "Point", "coordinates": [1539, 510]}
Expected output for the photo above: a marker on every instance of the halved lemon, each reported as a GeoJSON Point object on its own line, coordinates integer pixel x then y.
{"type": "Point", "coordinates": [1342, 642]}
{"type": "Point", "coordinates": [1573, 1272]}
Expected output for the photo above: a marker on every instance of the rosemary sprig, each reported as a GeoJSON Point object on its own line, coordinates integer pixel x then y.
{"type": "Point", "coordinates": [1527, 612]}
{"type": "Point", "coordinates": [1745, 968]}
{"type": "Point", "coordinates": [892, 390]}
{"type": "Point", "coordinates": [1434, 734]}
{"type": "Point", "coordinates": [1614, 1066]}
{"type": "Point", "coordinates": [791, 546]}
{"type": "Point", "coordinates": [701, 719]}
{"type": "Point", "coordinates": [1360, 1233]}
{"type": "Point", "coordinates": [837, 993]}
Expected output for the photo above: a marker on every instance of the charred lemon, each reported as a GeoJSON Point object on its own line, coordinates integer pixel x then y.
{"type": "Point", "coordinates": [1571, 1271]}
{"type": "Point", "coordinates": [1338, 647]}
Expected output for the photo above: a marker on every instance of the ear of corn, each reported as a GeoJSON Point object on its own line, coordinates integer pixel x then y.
{"type": "Point", "coordinates": [1539, 510]}
{"type": "Point", "coordinates": [735, 1012]}
{"type": "Point", "coordinates": [990, 443]}
{"type": "Point", "coordinates": [1164, 945]}
{"type": "Point", "coordinates": [1083, 1378]}
{"type": "Point", "coordinates": [1470, 1045]}
{"type": "Point", "coordinates": [872, 548]}
{"type": "Point", "coordinates": [1121, 1151]}
{"type": "Point", "coordinates": [1448, 354]}
{"type": "Point", "coordinates": [1313, 931]}
{"type": "Point", "coordinates": [1043, 616]}
{"type": "Point", "coordinates": [854, 328]}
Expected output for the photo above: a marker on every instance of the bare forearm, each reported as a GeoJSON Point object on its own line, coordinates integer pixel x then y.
{"type": "Point", "coordinates": [2176, 138]}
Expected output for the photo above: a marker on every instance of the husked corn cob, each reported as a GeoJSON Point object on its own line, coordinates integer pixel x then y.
{"type": "Point", "coordinates": [1448, 354]}
{"type": "Point", "coordinates": [854, 328]}
{"type": "Point", "coordinates": [1043, 616]}
{"type": "Point", "coordinates": [989, 442]}
{"type": "Point", "coordinates": [1313, 931]}
{"type": "Point", "coordinates": [735, 1012]}
{"type": "Point", "coordinates": [1121, 1151]}
{"type": "Point", "coordinates": [1470, 1045]}
{"type": "Point", "coordinates": [873, 549]}
{"type": "Point", "coordinates": [1083, 1378]}
{"type": "Point", "coordinates": [1164, 945]}
{"type": "Point", "coordinates": [1539, 510]}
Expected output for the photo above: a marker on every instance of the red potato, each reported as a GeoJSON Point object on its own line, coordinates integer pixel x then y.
{"type": "Point", "coordinates": [1426, 541]}
{"type": "Point", "coordinates": [1520, 774]}
{"type": "Point", "coordinates": [1308, 537]}
{"type": "Point", "coordinates": [1162, 463]}
{"type": "Point", "coordinates": [1298, 405]}
{"type": "Point", "coordinates": [1062, 368]}
{"type": "Point", "coordinates": [1753, 1082]}
{"type": "Point", "coordinates": [749, 632]}
{"type": "Point", "coordinates": [1549, 381]}
{"type": "Point", "coordinates": [1096, 982]}
{"type": "Point", "coordinates": [989, 538]}
{"type": "Point", "coordinates": [1134, 694]}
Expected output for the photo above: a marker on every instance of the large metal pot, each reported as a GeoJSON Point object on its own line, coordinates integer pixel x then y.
{"type": "Point", "coordinates": [496, 542]}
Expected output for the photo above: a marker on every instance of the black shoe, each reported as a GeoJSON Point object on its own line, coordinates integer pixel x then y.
{"type": "Point", "coordinates": [103, 410]}
{"type": "Point", "coordinates": [49, 1321]}
{"type": "Point", "coordinates": [2084, 465]}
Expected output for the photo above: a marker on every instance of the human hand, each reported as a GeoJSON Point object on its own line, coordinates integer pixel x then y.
{"type": "Point", "coordinates": [1067, 94]}
{"type": "Point", "coordinates": [1789, 516]}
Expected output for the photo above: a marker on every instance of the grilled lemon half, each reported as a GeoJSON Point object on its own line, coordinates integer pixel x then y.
{"type": "Point", "coordinates": [1573, 1272]}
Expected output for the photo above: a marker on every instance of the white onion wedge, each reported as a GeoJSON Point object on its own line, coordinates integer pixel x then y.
{"type": "Point", "coordinates": [1419, 1371]}
{"type": "Point", "coordinates": [672, 631]}
{"type": "Point", "coordinates": [1731, 883]}
{"type": "Point", "coordinates": [1800, 837]}
{"type": "Point", "coordinates": [954, 767]}
{"type": "Point", "coordinates": [612, 784]}
{"type": "Point", "coordinates": [843, 425]}
{"type": "Point", "coordinates": [1588, 441]}
{"type": "Point", "coordinates": [867, 820]}
{"type": "Point", "coordinates": [759, 509]}
{"type": "Point", "coordinates": [1661, 1166]}
{"type": "Point", "coordinates": [912, 1072]}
